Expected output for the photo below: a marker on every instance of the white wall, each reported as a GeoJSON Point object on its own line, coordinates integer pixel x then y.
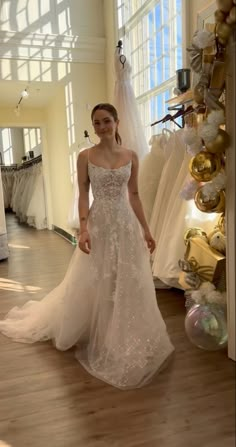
{"type": "Point", "coordinates": [59, 42]}
{"type": "Point", "coordinates": [17, 144]}
{"type": "Point", "coordinates": [74, 17]}
{"type": "Point", "coordinates": [195, 7]}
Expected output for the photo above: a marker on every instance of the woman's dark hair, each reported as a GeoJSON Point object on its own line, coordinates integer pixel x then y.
{"type": "Point", "coordinates": [113, 112]}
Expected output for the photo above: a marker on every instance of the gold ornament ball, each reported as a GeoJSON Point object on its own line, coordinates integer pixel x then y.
{"type": "Point", "coordinates": [224, 5]}
{"type": "Point", "coordinates": [221, 223]}
{"type": "Point", "coordinates": [198, 94]}
{"type": "Point", "coordinates": [194, 232]}
{"type": "Point", "coordinates": [223, 42]}
{"type": "Point", "coordinates": [219, 16]}
{"type": "Point", "coordinates": [204, 166]}
{"type": "Point", "coordinates": [220, 143]}
{"type": "Point", "coordinates": [223, 30]}
{"type": "Point", "coordinates": [213, 205]}
{"type": "Point", "coordinates": [231, 19]}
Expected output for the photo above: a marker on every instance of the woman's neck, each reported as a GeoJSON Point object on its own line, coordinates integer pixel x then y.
{"type": "Point", "coordinates": [108, 145]}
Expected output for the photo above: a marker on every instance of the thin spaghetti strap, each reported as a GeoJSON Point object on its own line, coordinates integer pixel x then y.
{"type": "Point", "coordinates": [131, 156]}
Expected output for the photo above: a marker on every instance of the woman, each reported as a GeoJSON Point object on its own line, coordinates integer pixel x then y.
{"type": "Point", "coordinates": [106, 304]}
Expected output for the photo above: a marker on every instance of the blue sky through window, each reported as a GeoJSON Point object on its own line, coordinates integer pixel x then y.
{"type": "Point", "coordinates": [158, 16]}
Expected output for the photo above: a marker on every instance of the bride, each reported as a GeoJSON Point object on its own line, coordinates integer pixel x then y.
{"type": "Point", "coordinates": [106, 305]}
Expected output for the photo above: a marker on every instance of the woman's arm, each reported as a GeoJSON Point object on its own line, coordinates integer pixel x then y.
{"type": "Point", "coordinates": [136, 202]}
{"type": "Point", "coordinates": [83, 182]}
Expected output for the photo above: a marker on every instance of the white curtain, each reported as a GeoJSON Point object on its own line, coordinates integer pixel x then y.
{"type": "Point", "coordinates": [130, 127]}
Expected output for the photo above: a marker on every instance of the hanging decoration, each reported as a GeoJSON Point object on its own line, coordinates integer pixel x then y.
{"type": "Point", "coordinates": [203, 267]}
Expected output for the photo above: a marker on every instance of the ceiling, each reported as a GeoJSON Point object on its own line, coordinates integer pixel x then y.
{"type": "Point", "coordinates": [40, 93]}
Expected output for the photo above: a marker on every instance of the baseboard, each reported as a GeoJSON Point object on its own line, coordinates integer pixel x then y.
{"type": "Point", "coordinates": [65, 235]}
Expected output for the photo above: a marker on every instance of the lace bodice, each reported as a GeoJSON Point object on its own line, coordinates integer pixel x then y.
{"type": "Point", "coordinates": [109, 184]}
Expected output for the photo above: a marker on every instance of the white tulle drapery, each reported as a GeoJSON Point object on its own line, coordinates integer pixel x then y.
{"type": "Point", "coordinates": [130, 127]}
{"type": "Point", "coordinates": [3, 231]}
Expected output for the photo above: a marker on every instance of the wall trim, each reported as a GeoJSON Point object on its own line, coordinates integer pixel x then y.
{"type": "Point", "coordinates": [64, 234]}
{"type": "Point", "coordinates": [51, 47]}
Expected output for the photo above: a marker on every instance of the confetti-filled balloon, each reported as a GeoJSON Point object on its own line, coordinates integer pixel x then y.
{"type": "Point", "coordinates": [206, 326]}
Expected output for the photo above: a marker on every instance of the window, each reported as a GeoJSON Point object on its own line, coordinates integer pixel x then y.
{"type": "Point", "coordinates": [7, 146]}
{"type": "Point", "coordinates": [152, 35]}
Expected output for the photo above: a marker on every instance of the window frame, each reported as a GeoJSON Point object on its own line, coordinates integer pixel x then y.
{"type": "Point", "coordinates": [168, 84]}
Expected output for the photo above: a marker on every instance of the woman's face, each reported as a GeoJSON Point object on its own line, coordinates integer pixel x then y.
{"type": "Point", "coordinates": [104, 124]}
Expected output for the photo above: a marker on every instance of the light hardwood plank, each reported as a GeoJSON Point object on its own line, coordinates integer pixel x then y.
{"type": "Point", "coordinates": [47, 399]}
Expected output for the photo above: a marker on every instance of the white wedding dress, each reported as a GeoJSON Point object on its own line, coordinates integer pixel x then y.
{"type": "Point", "coordinates": [106, 304]}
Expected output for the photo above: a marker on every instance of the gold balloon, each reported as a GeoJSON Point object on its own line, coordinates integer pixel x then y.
{"type": "Point", "coordinates": [194, 232]}
{"type": "Point", "coordinates": [223, 30]}
{"type": "Point", "coordinates": [220, 143]}
{"type": "Point", "coordinates": [219, 16]}
{"type": "Point", "coordinates": [213, 205]}
{"type": "Point", "coordinates": [221, 223]}
{"type": "Point", "coordinates": [205, 166]}
{"type": "Point", "coordinates": [232, 16]}
{"type": "Point", "coordinates": [224, 5]}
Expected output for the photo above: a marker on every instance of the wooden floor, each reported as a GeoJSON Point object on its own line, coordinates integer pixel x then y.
{"type": "Point", "coordinates": [48, 400]}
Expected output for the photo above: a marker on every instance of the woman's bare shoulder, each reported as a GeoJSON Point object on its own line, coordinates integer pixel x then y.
{"type": "Point", "coordinates": [83, 156]}
{"type": "Point", "coordinates": [129, 152]}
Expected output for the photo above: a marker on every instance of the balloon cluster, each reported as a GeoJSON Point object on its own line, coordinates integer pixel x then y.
{"type": "Point", "coordinates": [208, 142]}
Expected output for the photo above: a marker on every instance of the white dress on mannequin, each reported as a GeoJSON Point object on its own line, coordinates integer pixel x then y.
{"type": "Point", "coordinates": [106, 304]}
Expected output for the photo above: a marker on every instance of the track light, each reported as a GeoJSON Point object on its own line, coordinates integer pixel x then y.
{"type": "Point", "coordinates": [25, 94]}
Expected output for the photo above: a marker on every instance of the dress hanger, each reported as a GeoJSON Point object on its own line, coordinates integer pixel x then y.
{"type": "Point", "coordinates": [122, 57]}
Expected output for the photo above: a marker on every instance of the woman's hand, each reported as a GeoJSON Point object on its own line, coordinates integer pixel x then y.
{"type": "Point", "coordinates": [150, 241]}
{"type": "Point", "coordinates": [84, 242]}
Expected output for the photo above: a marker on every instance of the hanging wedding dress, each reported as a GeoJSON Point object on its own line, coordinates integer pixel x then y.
{"type": "Point", "coordinates": [3, 232]}
{"type": "Point", "coordinates": [130, 126]}
{"type": "Point", "coordinates": [35, 211]}
{"type": "Point", "coordinates": [150, 172]}
{"type": "Point", "coordinates": [28, 196]}
{"type": "Point", "coordinates": [106, 304]}
{"type": "Point", "coordinates": [172, 215]}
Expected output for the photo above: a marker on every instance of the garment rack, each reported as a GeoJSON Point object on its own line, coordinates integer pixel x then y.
{"type": "Point", "coordinates": [12, 167]}
{"type": "Point", "coordinates": [181, 112]}
{"type": "Point", "coordinates": [31, 162]}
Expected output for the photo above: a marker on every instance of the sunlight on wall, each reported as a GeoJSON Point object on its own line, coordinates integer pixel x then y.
{"type": "Point", "coordinates": [32, 70]}
{"type": "Point", "coordinates": [64, 22]}
{"type": "Point", "coordinates": [73, 166]}
{"type": "Point", "coordinates": [47, 16]}
{"type": "Point", "coordinates": [70, 113]}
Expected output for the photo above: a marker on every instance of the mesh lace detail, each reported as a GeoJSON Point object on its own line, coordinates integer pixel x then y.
{"type": "Point", "coordinates": [106, 304]}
